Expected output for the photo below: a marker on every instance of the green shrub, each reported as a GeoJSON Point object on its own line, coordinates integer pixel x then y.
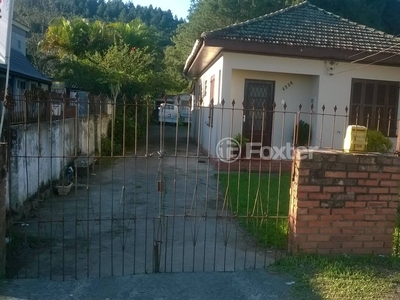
{"type": "Point", "coordinates": [377, 142]}
{"type": "Point", "coordinates": [106, 147]}
{"type": "Point", "coordinates": [242, 140]}
{"type": "Point", "coordinates": [124, 118]}
{"type": "Point", "coordinates": [130, 125]}
{"type": "Point", "coordinates": [303, 133]}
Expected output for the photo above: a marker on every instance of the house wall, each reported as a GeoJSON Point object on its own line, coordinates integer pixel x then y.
{"type": "Point", "coordinates": [307, 115]}
{"type": "Point", "coordinates": [206, 135]}
{"type": "Point", "coordinates": [18, 39]}
{"type": "Point", "coordinates": [39, 152]}
{"type": "Point", "coordinates": [20, 83]}
{"type": "Point", "coordinates": [311, 80]}
{"type": "Point", "coordinates": [301, 92]}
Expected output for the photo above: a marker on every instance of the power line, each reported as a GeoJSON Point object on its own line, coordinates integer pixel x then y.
{"type": "Point", "coordinates": [379, 52]}
{"type": "Point", "coordinates": [366, 65]}
{"type": "Point", "coordinates": [362, 52]}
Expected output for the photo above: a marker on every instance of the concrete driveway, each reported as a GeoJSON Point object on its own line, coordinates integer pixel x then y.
{"type": "Point", "coordinates": [241, 285]}
{"type": "Point", "coordinates": [116, 222]}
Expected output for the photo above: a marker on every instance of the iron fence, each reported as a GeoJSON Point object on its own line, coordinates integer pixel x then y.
{"type": "Point", "coordinates": [121, 193]}
{"type": "Point", "coordinates": [39, 106]}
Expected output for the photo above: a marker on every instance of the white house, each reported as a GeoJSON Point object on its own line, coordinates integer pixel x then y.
{"type": "Point", "coordinates": [23, 75]}
{"type": "Point", "coordinates": [298, 55]}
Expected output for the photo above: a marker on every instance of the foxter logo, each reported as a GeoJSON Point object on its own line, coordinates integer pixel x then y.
{"type": "Point", "coordinates": [229, 150]}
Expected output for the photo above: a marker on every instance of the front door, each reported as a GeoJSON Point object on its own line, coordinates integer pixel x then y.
{"type": "Point", "coordinates": [257, 126]}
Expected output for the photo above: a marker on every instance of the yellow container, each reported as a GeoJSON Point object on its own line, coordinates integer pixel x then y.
{"type": "Point", "coordinates": [356, 139]}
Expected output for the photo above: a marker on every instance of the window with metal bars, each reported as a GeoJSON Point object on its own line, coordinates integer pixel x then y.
{"type": "Point", "coordinates": [374, 104]}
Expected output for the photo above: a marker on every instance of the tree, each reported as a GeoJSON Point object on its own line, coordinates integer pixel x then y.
{"type": "Point", "coordinates": [91, 8]}
{"type": "Point", "coordinates": [136, 34]}
{"type": "Point", "coordinates": [372, 13]}
{"type": "Point", "coordinates": [80, 37]}
{"type": "Point", "coordinates": [135, 70]}
{"type": "Point", "coordinates": [38, 15]}
{"type": "Point", "coordinates": [390, 16]}
{"type": "Point", "coordinates": [112, 53]}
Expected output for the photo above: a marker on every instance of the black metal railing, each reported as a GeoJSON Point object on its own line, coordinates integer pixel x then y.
{"type": "Point", "coordinates": [124, 193]}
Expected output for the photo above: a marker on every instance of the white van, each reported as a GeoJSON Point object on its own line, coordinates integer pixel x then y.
{"type": "Point", "coordinates": [168, 113]}
{"type": "Point", "coordinates": [184, 110]}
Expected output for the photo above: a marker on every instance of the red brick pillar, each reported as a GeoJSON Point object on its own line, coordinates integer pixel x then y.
{"type": "Point", "coordinates": [3, 180]}
{"type": "Point", "coordinates": [343, 203]}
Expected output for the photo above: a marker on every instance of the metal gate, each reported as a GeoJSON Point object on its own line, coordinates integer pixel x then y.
{"type": "Point", "coordinates": [114, 192]}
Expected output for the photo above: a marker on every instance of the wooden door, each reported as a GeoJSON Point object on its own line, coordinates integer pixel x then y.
{"type": "Point", "coordinates": [257, 125]}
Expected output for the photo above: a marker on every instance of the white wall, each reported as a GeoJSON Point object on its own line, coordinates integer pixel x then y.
{"type": "Point", "coordinates": [55, 144]}
{"type": "Point", "coordinates": [206, 135]}
{"type": "Point", "coordinates": [29, 174]}
{"type": "Point", "coordinates": [311, 79]}
{"type": "Point", "coordinates": [300, 92]}
{"type": "Point", "coordinates": [18, 42]}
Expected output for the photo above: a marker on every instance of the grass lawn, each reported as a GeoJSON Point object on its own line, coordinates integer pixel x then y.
{"type": "Point", "coordinates": [342, 277]}
{"type": "Point", "coordinates": [261, 203]}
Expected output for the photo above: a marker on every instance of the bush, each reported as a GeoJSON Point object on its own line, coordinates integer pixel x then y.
{"type": "Point", "coordinates": [377, 142]}
{"type": "Point", "coordinates": [106, 147]}
{"type": "Point", "coordinates": [242, 140]}
{"type": "Point", "coordinates": [129, 130]}
{"type": "Point", "coordinates": [303, 133]}
{"type": "Point", "coordinates": [122, 119]}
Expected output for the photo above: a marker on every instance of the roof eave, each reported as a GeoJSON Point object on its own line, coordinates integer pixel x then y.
{"type": "Point", "coordinates": [206, 50]}
{"type": "Point", "coordinates": [201, 57]}
{"type": "Point", "coordinates": [21, 26]}
{"type": "Point", "coordinates": [22, 75]}
{"type": "Point", "coordinates": [197, 47]}
{"type": "Point", "coordinates": [378, 58]}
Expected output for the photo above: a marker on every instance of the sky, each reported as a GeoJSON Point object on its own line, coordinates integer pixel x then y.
{"type": "Point", "coordinates": [177, 7]}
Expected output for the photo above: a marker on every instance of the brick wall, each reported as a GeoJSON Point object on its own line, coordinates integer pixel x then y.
{"type": "Point", "coordinates": [3, 179]}
{"type": "Point", "coordinates": [343, 203]}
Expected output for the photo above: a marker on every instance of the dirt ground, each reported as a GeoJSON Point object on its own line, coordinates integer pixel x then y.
{"type": "Point", "coordinates": [116, 222]}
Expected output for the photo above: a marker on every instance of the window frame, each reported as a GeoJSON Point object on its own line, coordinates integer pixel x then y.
{"type": "Point", "coordinates": [371, 101]}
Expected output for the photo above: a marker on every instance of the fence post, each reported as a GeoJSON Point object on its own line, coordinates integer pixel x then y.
{"type": "Point", "coordinates": [398, 136]}
{"type": "Point", "coordinates": [3, 180]}
{"type": "Point", "coordinates": [26, 99]}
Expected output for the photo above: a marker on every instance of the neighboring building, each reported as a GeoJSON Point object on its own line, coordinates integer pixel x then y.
{"type": "Point", "coordinates": [299, 55]}
{"type": "Point", "coordinates": [23, 75]}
